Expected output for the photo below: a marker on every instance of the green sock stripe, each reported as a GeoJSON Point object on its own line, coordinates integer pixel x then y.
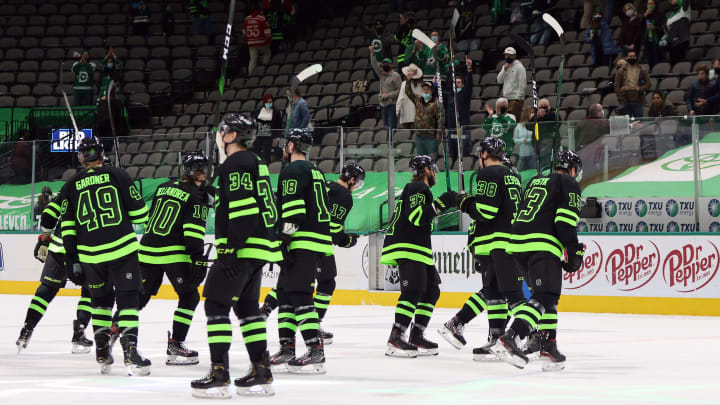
{"type": "Point", "coordinates": [403, 311]}
{"type": "Point", "coordinates": [219, 327]}
{"type": "Point", "coordinates": [84, 308]}
{"type": "Point", "coordinates": [288, 325]}
{"type": "Point", "coordinates": [423, 313]}
{"type": "Point", "coordinates": [255, 338]}
{"type": "Point", "coordinates": [128, 324]}
{"type": "Point", "coordinates": [129, 312]}
{"type": "Point", "coordinates": [527, 319]}
{"type": "Point", "coordinates": [513, 311]}
{"type": "Point", "coordinates": [497, 316]}
{"type": "Point", "coordinates": [83, 299]}
{"type": "Point", "coordinates": [501, 307]}
{"type": "Point", "coordinates": [182, 320]}
{"type": "Point", "coordinates": [273, 293]}
{"type": "Point", "coordinates": [322, 297]}
{"type": "Point", "coordinates": [38, 309]}
{"type": "Point", "coordinates": [428, 306]}
{"type": "Point", "coordinates": [219, 339]}
{"type": "Point", "coordinates": [532, 311]}
{"type": "Point", "coordinates": [188, 312]}
{"type": "Point", "coordinates": [473, 307]}
{"type": "Point", "coordinates": [547, 326]}
{"type": "Point", "coordinates": [547, 316]}
{"type": "Point", "coordinates": [286, 315]}
{"type": "Point", "coordinates": [406, 304]}
{"type": "Point", "coordinates": [308, 326]}
{"type": "Point", "coordinates": [252, 326]}
{"type": "Point", "coordinates": [102, 323]}
{"type": "Point", "coordinates": [478, 300]}
{"type": "Point", "coordinates": [102, 311]}
{"type": "Point", "coordinates": [309, 315]}
{"type": "Point", "coordinates": [321, 306]}
{"type": "Point", "coordinates": [41, 301]}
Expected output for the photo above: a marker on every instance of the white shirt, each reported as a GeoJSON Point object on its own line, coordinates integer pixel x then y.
{"type": "Point", "coordinates": [514, 81]}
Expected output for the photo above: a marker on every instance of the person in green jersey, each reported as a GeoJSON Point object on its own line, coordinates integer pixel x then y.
{"type": "Point", "coordinates": [83, 84]}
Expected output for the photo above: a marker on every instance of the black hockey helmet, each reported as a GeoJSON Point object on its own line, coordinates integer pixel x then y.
{"type": "Point", "coordinates": [90, 149]}
{"type": "Point", "coordinates": [194, 161]}
{"type": "Point", "coordinates": [107, 161]}
{"type": "Point", "coordinates": [494, 146]}
{"type": "Point", "coordinates": [509, 164]}
{"type": "Point", "coordinates": [353, 170]}
{"type": "Point", "coordinates": [243, 124]}
{"type": "Point", "coordinates": [567, 159]}
{"type": "Point", "coordinates": [420, 162]}
{"type": "Point", "coordinates": [302, 138]}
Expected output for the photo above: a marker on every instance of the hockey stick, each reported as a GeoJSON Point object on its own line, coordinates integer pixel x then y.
{"type": "Point", "coordinates": [555, 25]}
{"type": "Point", "coordinates": [304, 75]}
{"type": "Point", "coordinates": [420, 36]}
{"type": "Point", "coordinates": [112, 124]}
{"type": "Point", "coordinates": [461, 180]}
{"type": "Point", "coordinates": [522, 43]}
{"type": "Point", "coordinates": [67, 105]}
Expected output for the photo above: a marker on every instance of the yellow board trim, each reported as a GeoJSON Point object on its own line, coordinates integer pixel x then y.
{"type": "Point", "coordinates": [568, 303]}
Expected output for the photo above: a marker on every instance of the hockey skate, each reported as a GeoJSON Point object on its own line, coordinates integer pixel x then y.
{"type": "Point", "coordinates": [325, 336]}
{"type": "Point", "coordinates": [24, 339]}
{"type": "Point", "coordinates": [137, 365]}
{"type": "Point", "coordinates": [80, 344]}
{"type": "Point", "coordinates": [259, 380]}
{"type": "Point", "coordinates": [485, 352]}
{"type": "Point", "coordinates": [424, 346]}
{"type": "Point", "coordinates": [553, 360]}
{"type": "Point", "coordinates": [312, 362]}
{"type": "Point", "coordinates": [179, 355]}
{"type": "Point", "coordinates": [534, 344]}
{"type": "Point", "coordinates": [103, 355]}
{"type": "Point", "coordinates": [397, 346]}
{"type": "Point", "coordinates": [214, 385]}
{"type": "Point", "coordinates": [114, 335]}
{"type": "Point", "coordinates": [452, 331]}
{"type": "Point", "coordinates": [265, 311]}
{"type": "Point", "coordinates": [507, 350]}
{"type": "Point", "coordinates": [279, 360]}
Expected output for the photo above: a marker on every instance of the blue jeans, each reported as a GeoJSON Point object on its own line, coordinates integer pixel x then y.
{"type": "Point", "coordinates": [453, 143]}
{"type": "Point", "coordinates": [426, 145]}
{"type": "Point", "coordinates": [632, 109]}
{"type": "Point", "coordinates": [541, 33]}
{"type": "Point", "coordinates": [389, 117]}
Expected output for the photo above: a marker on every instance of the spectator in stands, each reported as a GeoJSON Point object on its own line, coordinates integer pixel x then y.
{"type": "Point", "coordinates": [299, 112]}
{"type": "Point", "coordinates": [270, 127]}
{"type": "Point", "coordinates": [599, 36]}
{"type": "Point", "coordinates": [199, 13]}
{"type": "Point", "coordinates": [500, 11]}
{"type": "Point", "coordinates": [140, 13]}
{"type": "Point", "coordinates": [464, 89]}
{"type": "Point", "coordinates": [405, 106]}
{"type": "Point", "coordinates": [257, 34]}
{"type": "Point", "coordinates": [700, 95]}
{"type": "Point", "coordinates": [513, 78]}
{"type": "Point", "coordinates": [546, 125]}
{"type": "Point", "coordinates": [678, 25]}
{"type": "Point", "coordinates": [592, 127]}
{"type": "Point", "coordinates": [390, 83]}
{"type": "Point", "coordinates": [589, 9]}
{"type": "Point", "coordinates": [714, 73]}
{"type": "Point", "coordinates": [21, 161]}
{"type": "Point", "coordinates": [540, 30]}
{"type": "Point", "coordinates": [659, 108]}
{"type": "Point", "coordinates": [631, 83]}
{"type": "Point", "coordinates": [501, 123]}
{"type": "Point", "coordinates": [465, 28]}
{"type": "Point", "coordinates": [279, 18]}
{"type": "Point", "coordinates": [523, 136]}
{"type": "Point", "coordinates": [83, 84]}
{"type": "Point", "coordinates": [168, 19]}
{"type": "Point", "coordinates": [111, 71]}
{"type": "Point", "coordinates": [404, 36]}
{"type": "Point", "coordinates": [632, 30]}
{"type": "Point", "coordinates": [429, 120]}
{"type": "Point", "coordinates": [43, 200]}
{"type": "Point", "coordinates": [654, 31]}
{"type": "Point", "coordinates": [380, 43]}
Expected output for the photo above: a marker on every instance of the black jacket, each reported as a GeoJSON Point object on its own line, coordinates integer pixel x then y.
{"type": "Point", "coordinates": [463, 99]}
{"type": "Point", "coordinates": [276, 124]}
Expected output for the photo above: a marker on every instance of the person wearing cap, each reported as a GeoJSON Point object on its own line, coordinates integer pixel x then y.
{"type": "Point", "coordinates": [429, 120]}
{"type": "Point", "coordinates": [83, 84]}
{"type": "Point", "coordinates": [390, 84]}
{"type": "Point", "coordinates": [600, 37]}
{"type": "Point", "coordinates": [405, 106]}
{"type": "Point", "coordinates": [513, 78]}
{"type": "Point", "coordinates": [270, 126]}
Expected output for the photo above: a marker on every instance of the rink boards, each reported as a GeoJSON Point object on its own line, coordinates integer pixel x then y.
{"type": "Point", "coordinates": [621, 273]}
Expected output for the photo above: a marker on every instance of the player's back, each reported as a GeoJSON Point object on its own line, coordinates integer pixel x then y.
{"type": "Point", "coordinates": [341, 202]}
{"type": "Point", "coordinates": [302, 179]}
{"type": "Point", "coordinates": [409, 233]}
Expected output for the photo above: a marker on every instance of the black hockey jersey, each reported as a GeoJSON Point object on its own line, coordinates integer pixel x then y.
{"type": "Point", "coordinates": [103, 203]}
{"type": "Point", "coordinates": [341, 203]}
{"type": "Point", "coordinates": [51, 219]}
{"type": "Point", "coordinates": [409, 233]}
{"type": "Point", "coordinates": [548, 215]}
{"type": "Point", "coordinates": [493, 209]}
{"type": "Point", "coordinates": [175, 232]}
{"type": "Point", "coordinates": [245, 211]}
{"type": "Point", "coordinates": [303, 198]}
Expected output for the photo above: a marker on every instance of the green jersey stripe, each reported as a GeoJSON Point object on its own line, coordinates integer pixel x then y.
{"type": "Point", "coordinates": [109, 245]}
{"type": "Point", "coordinates": [242, 203]}
{"type": "Point", "coordinates": [243, 213]}
{"type": "Point", "coordinates": [288, 214]}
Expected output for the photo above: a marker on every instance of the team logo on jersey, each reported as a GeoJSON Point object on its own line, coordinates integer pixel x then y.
{"type": "Point", "coordinates": [611, 227]}
{"type": "Point", "coordinates": [672, 208]}
{"type": "Point", "coordinates": [641, 208]}
{"type": "Point", "coordinates": [714, 208]}
{"type": "Point", "coordinates": [591, 265]}
{"type": "Point", "coordinates": [692, 266]}
{"type": "Point", "coordinates": [641, 227]}
{"type": "Point", "coordinates": [128, 276]}
{"type": "Point", "coordinates": [633, 265]}
{"type": "Point", "coordinates": [714, 227]}
{"type": "Point", "coordinates": [610, 208]}
{"type": "Point", "coordinates": [672, 226]}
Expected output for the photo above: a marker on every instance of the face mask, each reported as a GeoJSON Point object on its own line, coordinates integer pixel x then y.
{"type": "Point", "coordinates": [434, 38]}
{"type": "Point", "coordinates": [629, 13]}
{"type": "Point", "coordinates": [426, 96]}
{"type": "Point", "coordinates": [503, 109]}
{"type": "Point", "coordinates": [632, 61]}
{"type": "Point", "coordinates": [509, 60]}
{"type": "Point", "coordinates": [386, 68]}
{"type": "Point", "coordinates": [109, 65]}
{"type": "Point", "coordinates": [458, 89]}
{"type": "Point", "coordinates": [268, 105]}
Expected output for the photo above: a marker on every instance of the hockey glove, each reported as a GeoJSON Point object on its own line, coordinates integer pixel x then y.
{"type": "Point", "coordinates": [41, 247]}
{"type": "Point", "coordinates": [350, 240]}
{"type": "Point", "coordinates": [73, 270]}
{"type": "Point", "coordinates": [198, 271]}
{"type": "Point", "coordinates": [463, 201]}
{"type": "Point", "coordinates": [210, 195]}
{"type": "Point", "coordinates": [228, 263]}
{"type": "Point", "coordinates": [575, 254]}
{"type": "Point", "coordinates": [285, 232]}
{"type": "Point", "coordinates": [445, 201]}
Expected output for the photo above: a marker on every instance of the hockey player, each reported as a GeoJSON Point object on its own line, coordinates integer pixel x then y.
{"type": "Point", "coordinates": [50, 251]}
{"type": "Point", "coordinates": [351, 178]}
{"type": "Point", "coordinates": [544, 227]}
{"type": "Point", "coordinates": [407, 245]}
{"type": "Point", "coordinates": [492, 209]}
{"type": "Point", "coordinates": [173, 244]}
{"type": "Point", "coordinates": [304, 228]}
{"type": "Point", "coordinates": [100, 242]}
{"type": "Point", "coordinates": [244, 218]}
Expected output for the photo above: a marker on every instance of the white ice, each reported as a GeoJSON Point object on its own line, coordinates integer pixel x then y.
{"type": "Point", "coordinates": [623, 359]}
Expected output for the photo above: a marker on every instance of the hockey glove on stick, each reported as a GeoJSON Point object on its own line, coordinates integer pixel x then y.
{"type": "Point", "coordinates": [198, 271]}
{"type": "Point", "coordinates": [74, 271]}
{"type": "Point", "coordinates": [41, 247]}
{"type": "Point", "coordinates": [445, 201]}
{"type": "Point", "coordinates": [228, 263]}
{"type": "Point", "coordinates": [350, 240]}
{"type": "Point", "coordinates": [575, 254]}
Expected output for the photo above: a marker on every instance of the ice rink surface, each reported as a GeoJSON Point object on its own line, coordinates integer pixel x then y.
{"type": "Point", "coordinates": [612, 359]}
